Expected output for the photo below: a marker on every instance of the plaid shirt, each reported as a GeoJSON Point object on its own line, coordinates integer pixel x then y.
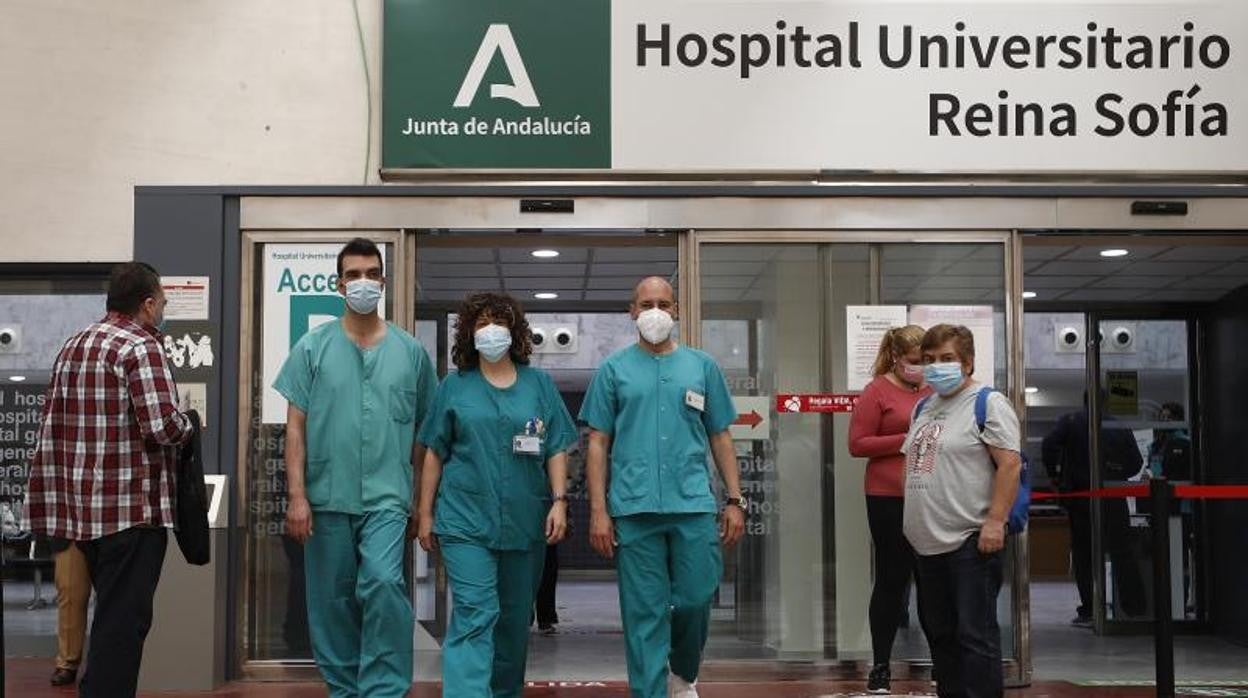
{"type": "Point", "coordinates": [107, 443]}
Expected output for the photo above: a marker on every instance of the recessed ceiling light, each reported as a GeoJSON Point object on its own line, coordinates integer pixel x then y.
{"type": "Point", "coordinates": [1029, 294]}
{"type": "Point", "coordinates": [17, 379]}
{"type": "Point", "coordinates": [545, 254]}
{"type": "Point", "coordinates": [1031, 390]}
{"type": "Point", "coordinates": [545, 296]}
{"type": "Point", "coordinates": [1114, 252]}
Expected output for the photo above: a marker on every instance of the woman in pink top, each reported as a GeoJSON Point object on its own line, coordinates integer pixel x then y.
{"type": "Point", "coordinates": [877, 429]}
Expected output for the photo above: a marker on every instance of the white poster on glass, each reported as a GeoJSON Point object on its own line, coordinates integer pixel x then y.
{"type": "Point", "coordinates": [865, 326]}
{"type": "Point", "coordinates": [300, 293]}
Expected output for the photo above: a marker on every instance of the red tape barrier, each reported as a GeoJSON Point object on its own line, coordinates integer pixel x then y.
{"type": "Point", "coordinates": [1180, 492]}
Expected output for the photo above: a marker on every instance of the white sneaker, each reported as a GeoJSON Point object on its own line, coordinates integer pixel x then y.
{"type": "Point", "coordinates": [680, 688]}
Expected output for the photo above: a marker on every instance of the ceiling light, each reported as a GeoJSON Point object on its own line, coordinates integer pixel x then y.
{"type": "Point", "coordinates": [17, 379]}
{"type": "Point", "coordinates": [545, 296]}
{"type": "Point", "coordinates": [1114, 252]}
{"type": "Point", "coordinates": [545, 254]}
{"type": "Point", "coordinates": [1028, 295]}
{"type": "Point", "coordinates": [1031, 390]}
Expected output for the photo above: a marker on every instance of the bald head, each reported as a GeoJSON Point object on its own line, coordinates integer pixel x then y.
{"type": "Point", "coordinates": [653, 292]}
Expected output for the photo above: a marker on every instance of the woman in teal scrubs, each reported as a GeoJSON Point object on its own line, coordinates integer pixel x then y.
{"type": "Point", "coordinates": [497, 435]}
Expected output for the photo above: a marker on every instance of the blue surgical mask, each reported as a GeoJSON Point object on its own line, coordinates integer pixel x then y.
{"type": "Point", "coordinates": [363, 295]}
{"type": "Point", "coordinates": [943, 377]}
{"type": "Point", "coordinates": [492, 342]}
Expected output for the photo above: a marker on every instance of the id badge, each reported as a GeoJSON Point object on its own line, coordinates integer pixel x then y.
{"type": "Point", "coordinates": [695, 400]}
{"type": "Point", "coordinates": [526, 445]}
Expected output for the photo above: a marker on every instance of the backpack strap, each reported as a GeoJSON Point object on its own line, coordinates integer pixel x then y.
{"type": "Point", "coordinates": [981, 407]}
{"type": "Point", "coordinates": [918, 407]}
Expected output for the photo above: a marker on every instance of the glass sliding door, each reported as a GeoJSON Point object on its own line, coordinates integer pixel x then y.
{"type": "Point", "coordinates": [289, 288]}
{"type": "Point", "coordinates": [777, 318]}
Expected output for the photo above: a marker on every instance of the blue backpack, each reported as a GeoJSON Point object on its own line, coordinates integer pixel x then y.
{"type": "Point", "coordinates": [1017, 520]}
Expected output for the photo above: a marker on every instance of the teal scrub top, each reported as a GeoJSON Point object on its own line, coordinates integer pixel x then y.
{"type": "Point", "coordinates": [659, 442]}
{"type": "Point", "coordinates": [489, 494]}
{"type": "Point", "coordinates": [363, 408]}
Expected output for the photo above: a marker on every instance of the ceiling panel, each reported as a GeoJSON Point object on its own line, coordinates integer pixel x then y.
{"type": "Point", "coordinates": [1062, 267]}
{"type": "Point", "coordinates": [1102, 294]}
{"type": "Point", "coordinates": [1033, 253]}
{"type": "Point", "coordinates": [1194, 253]}
{"type": "Point", "coordinates": [447, 269]}
{"type": "Point", "coordinates": [636, 254]}
{"type": "Point", "coordinates": [1137, 251]}
{"type": "Point", "coordinates": [528, 283]}
{"type": "Point", "coordinates": [460, 283]}
{"type": "Point", "coordinates": [1142, 282]}
{"type": "Point", "coordinates": [604, 283]}
{"type": "Point", "coordinates": [622, 296]}
{"type": "Point", "coordinates": [1176, 295]}
{"type": "Point", "coordinates": [1035, 282]}
{"type": "Point", "coordinates": [1239, 269]}
{"type": "Point", "coordinates": [975, 268]}
{"type": "Point", "coordinates": [525, 254]}
{"type": "Point", "coordinates": [1224, 283]}
{"type": "Point", "coordinates": [544, 269]}
{"type": "Point", "coordinates": [453, 254]}
{"type": "Point", "coordinates": [1171, 268]}
{"type": "Point", "coordinates": [637, 270]}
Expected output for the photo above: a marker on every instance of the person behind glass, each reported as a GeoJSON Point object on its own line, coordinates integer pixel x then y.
{"type": "Point", "coordinates": [358, 389]}
{"type": "Point", "coordinates": [877, 430]}
{"type": "Point", "coordinates": [961, 482]}
{"type": "Point", "coordinates": [1066, 455]}
{"type": "Point", "coordinates": [493, 493]}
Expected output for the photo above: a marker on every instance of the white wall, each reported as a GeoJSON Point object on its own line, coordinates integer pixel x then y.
{"type": "Point", "coordinates": [101, 96]}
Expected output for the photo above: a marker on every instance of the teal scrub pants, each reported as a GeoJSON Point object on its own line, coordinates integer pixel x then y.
{"type": "Point", "coordinates": [669, 567]}
{"type": "Point", "coordinates": [492, 593]}
{"type": "Point", "coordinates": [359, 613]}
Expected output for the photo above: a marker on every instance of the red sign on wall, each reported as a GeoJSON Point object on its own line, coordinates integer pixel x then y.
{"type": "Point", "coordinates": [817, 402]}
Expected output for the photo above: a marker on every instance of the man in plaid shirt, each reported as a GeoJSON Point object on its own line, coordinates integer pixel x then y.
{"type": "Point", "coordinates": [103, 472]}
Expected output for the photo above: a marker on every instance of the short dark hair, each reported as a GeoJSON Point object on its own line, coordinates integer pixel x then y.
{"type": "Point", "coordinates": [129, 284]}
{"type": "Point", "coordinates": [963, 341]}
{"type": "Point", "coordinates": [361, 247]}
{"type": "Point", "coordinates": [498, 306]}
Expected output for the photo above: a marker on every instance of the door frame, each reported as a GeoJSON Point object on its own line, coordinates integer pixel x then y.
{"type": "Point", "coordinates": [250, 243]}
{"type": "Point", "coordinates": [1093, 318]}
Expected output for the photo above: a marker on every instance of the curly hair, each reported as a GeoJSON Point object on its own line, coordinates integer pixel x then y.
{"type": "Point", "coordinates": [499, 307]}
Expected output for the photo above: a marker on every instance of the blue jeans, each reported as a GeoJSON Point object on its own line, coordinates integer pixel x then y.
{"type": "Point", "coordinates": [958, 599]}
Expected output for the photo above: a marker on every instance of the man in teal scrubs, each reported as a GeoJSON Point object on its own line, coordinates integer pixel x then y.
{"type": "Point", "coordinates": [358, 389]}
{"type": "Point", "coordinates": [658, 408]}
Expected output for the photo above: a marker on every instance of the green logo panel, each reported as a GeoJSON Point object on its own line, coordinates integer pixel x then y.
{"type": "Point", "coordinates": [496, 84]}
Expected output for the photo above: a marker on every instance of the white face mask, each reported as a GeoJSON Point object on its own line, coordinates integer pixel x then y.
{"type": "Point", "coordinates": [655, 325]}
{"type": "Point", "coordinates": [492, 342]}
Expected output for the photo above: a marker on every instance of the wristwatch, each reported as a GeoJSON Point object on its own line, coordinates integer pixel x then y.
{"type": "Point", "coordinates": [737, 502]}
{"type": "Point", "coordinates": [559, 498]}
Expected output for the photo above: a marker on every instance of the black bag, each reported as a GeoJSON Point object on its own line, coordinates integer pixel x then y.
{"type": "Point", "coordinates": [191, 527]}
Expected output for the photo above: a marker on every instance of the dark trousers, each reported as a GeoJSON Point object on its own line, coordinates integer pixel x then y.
{"type": "Point", "coordinates": [894, 563]}
{"type": "Point", "coordinates": [124, 568]}
{"type": "Point", "coordinates": [546, 613]}
{"type": "Point", "coordinates": [958, 592]}
{"type": "Point", "coordinates": [1116, 545]}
